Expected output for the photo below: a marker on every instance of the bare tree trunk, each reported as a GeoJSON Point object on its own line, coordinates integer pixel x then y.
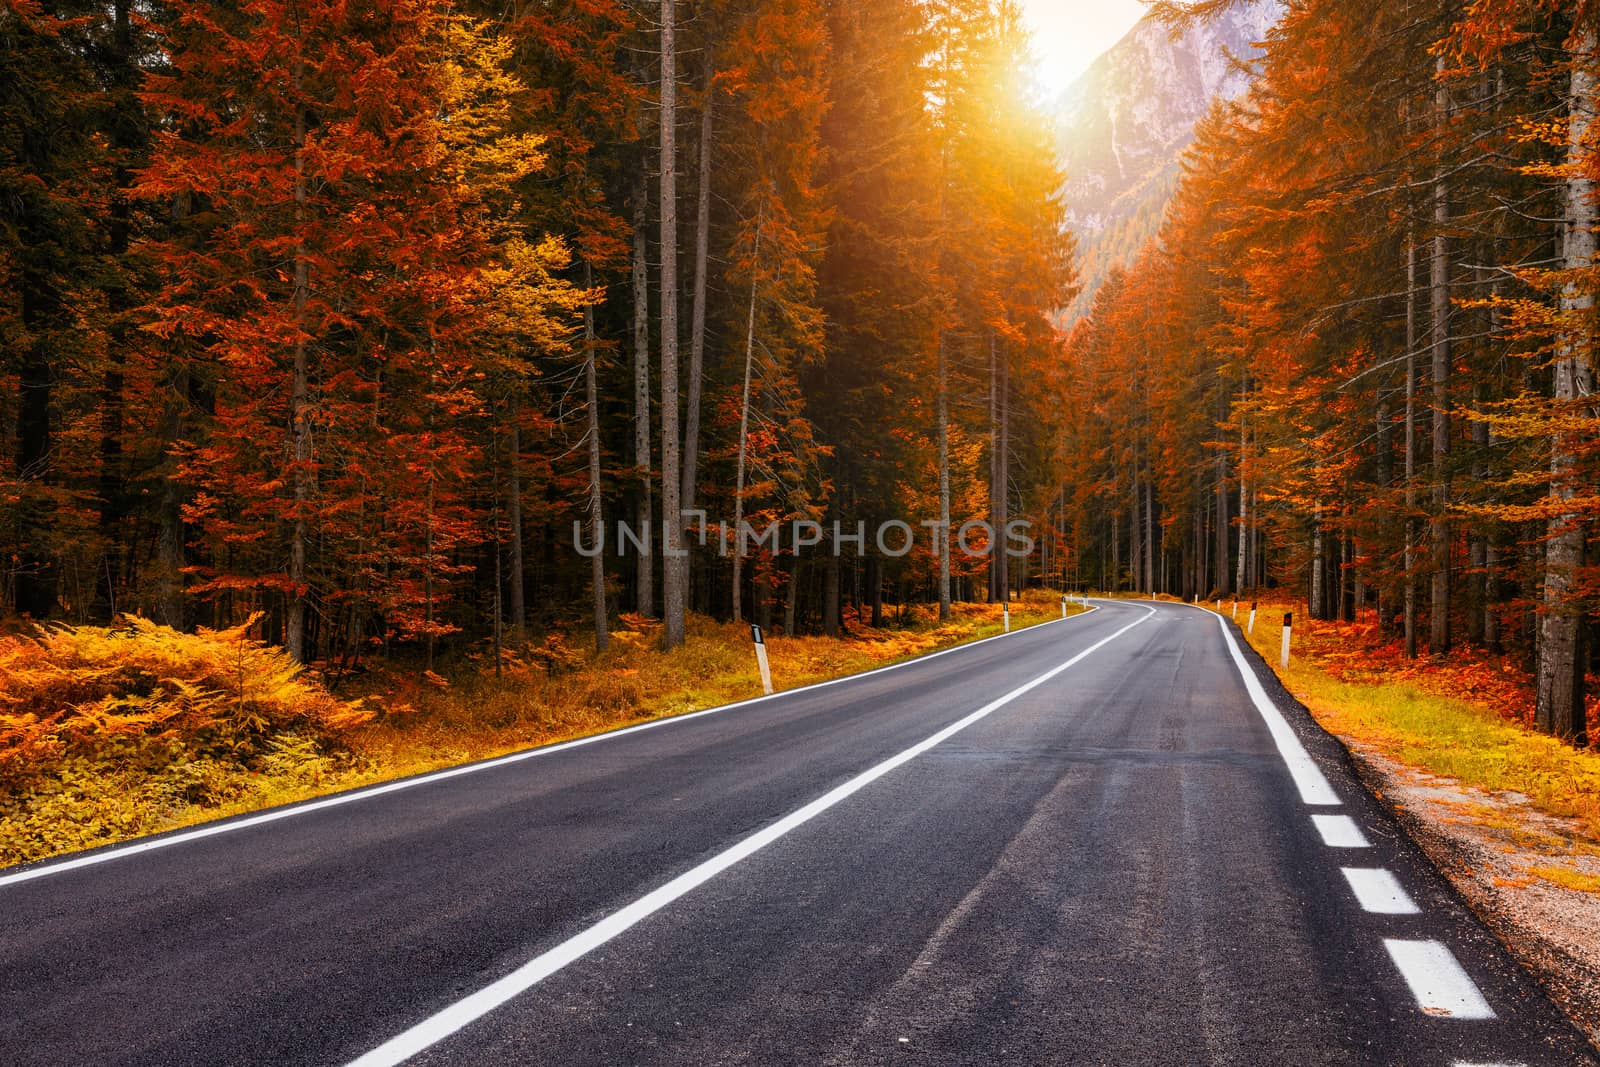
{"type": "Point", "coordinates": [597, 521]}
{"type": "Point", "coordinates": [744, 434]}
{"type": "Point", "coordinates": [1149, 537]}
{"type": "Point", "coordinates": [645, 577]}
{"type": "Point", "coordinates": [1241, 574]}
{"type": "Point", "coordinates": [994, 465]}
{"type": "Point", "coordinates": [697, 325]}
{"type": "Point", "coordinates": [791, 601]}
{"type": "Point", "coordinates": [1411, 450]}
{"type": "Point", "coordinates": [1318, 566]}
{"type": "Point", "coordinates": [944, 481]}
{"type": "Point", "coordinates": [1222, 523]}
{"type": "Point", "coordinates": [1439, 291]}
{"type": "Point", "coordinates": [675, 567]}
{"type": "Point", "coordinates": [1136, 536]}
{"type": "Point", "coordinates": [1560, 706]}
{"type": "Point", "coordinates": [519, 604]}
{"type": "Point", "coordinates": [1003, 478]}
{"type": "Point", "coordinates": [299, 405]}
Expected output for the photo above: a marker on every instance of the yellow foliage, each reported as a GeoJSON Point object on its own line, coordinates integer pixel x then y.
{"type": "Point", "coordinates": [104, 732]}
{"type": "Point", "coordinates": [140, 729]}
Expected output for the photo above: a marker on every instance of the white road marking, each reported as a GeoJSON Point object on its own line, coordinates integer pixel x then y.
{"type": "Point", "coordinates": [47, 868]}
{"type": "Point", "coordinates": [1379, 891]}
{"type": "Point", "coordinates": [1340, 831]}
{"type": "Point", "coordinates": [1464, 1063]}
{"type": "Point", "coordinates": [1308, 777]}
{"type": "Point", "coordinates": [1437, 980]}
{"type": "Point", "coordinates": [463, 1012]}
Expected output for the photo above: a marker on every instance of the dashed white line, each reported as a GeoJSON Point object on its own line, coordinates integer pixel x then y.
{"type": "Point", "coordinates": [1340, 831]}
{"type": "Point", "coordinates": [462, 1013]}
{"type": "Point", "coordinates": [1379, 892]}
{"type": "Point", "coordinates": [1437, 980]}
{"type": "Point", "coordinates": [1308, 777]}
{"type": "Point", "coordinates": [46, 869]}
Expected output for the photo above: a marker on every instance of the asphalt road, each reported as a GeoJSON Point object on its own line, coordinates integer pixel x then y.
{"type": "Point", "coordinates": [1077, 844]}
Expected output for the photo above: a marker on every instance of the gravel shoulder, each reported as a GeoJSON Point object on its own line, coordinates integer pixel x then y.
{"type": "Point", "coordinates": [1501, 855]}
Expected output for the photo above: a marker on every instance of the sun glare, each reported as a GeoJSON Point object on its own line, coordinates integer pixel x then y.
{"type": "Point", "coordinates": [1069, 35]}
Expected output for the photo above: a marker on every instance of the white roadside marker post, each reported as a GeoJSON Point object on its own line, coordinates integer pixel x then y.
{"type": "Point", "coordinates": [1288, 626]}
{"type": "Point", "coordinates": [1252, 627]}
{"type": "Point", "coordinates": [1005, 611]}
{"type": "Point", "coordinates": [761, 659]}
{"type": "Point", "coordinates": [1219, 606]}
{"type": "Point", "coordinates": [1063, 605]}
{"type": "Point", "coordinates": [1235, 609]}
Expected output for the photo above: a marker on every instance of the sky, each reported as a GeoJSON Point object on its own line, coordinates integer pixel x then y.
{"type": "Point", "coordinates": [1068, 35]}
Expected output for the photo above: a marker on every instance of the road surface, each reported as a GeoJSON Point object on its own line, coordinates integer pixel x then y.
{"type": "Point", "coordinates": [1106, 840]}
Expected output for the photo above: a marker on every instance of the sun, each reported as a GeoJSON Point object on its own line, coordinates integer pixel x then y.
{"type": "Point", "coordinates": [1069, 35]}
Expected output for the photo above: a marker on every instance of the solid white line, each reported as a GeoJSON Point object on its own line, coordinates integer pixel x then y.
{"type": "Point", "coordinates": [1340, 831]}
{"type": "Point", "coordinates": [1437, 980]}
{"type": "Point", "coordinates": [338, 800]}
{"type": "Point", "coordinates": [441, 1025]}
{"type": "Point", "coordinates": [1378, 891]}
{"type": "Point", "coordinates": [1308, 777]}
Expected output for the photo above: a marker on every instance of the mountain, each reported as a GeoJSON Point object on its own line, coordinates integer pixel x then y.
{"type": "Point", "coordinates": [1125, 124]}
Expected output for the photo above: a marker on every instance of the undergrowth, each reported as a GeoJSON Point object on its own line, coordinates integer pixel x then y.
{"type": "Point", "coordinates": [1462, 716]}
{"type": "Point", "coordinates": [110, 734]}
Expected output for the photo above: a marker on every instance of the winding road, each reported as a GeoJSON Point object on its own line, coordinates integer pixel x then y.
{"type": "Point", "coordinates": [1111, 839]}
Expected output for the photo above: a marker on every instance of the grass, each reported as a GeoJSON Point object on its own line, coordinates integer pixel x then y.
{"type": "Point", "coordinates": [1462, 717]}
{"type": "Point", "coordinates": [554, 690]}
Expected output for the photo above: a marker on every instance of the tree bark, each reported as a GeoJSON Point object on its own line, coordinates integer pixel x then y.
{"type": "Point", "coordinates": [519, 604]}
{"type": "Point", "coordinates": [597, 525]}
{"type": "Point", "coordinates": [1559, 709]}
{"type": "Point", "coordinates": [1439, 293]}
{"type": "Point", "coordinates": [644, 580]}
{"type": "Point", "coordinates": [697, 326]}
{"type": "Point", "coordinates": [744, 433]}
{"type": "Point", "coordinates": [1242, 575]}
{"type": "Point", "coordinates": [674, 570]}
{"type": "Point", "coordinates": [944, 480]}
{"type": "Point", "coordinates": [1410, 561]}
{"type": "Point", "coordinates": [1223, 588]}
{"type": "Point", "coordinates": [299, 406]}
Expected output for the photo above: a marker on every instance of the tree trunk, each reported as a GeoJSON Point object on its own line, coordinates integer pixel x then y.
{"type": "Point", "coordinates": [830, 596]}
{"type": "Point", "coordinates": [1439, 291]}
{"type": "Point", "coordinates": [1135, 537]}
{"type": "Point", "coordinates": [1318, 567]}
{"type": "Point", "coordinates": [1003, 479]}
{"type": "Point", "coordinates": [1150, 537]}
{"type": "Point", "coordinates": [675, 568]}
{"type": "Point", "coordinates": [299, 406]}
{"type": "Point", "coordinates": [645, 577]}
{"type": "Point", "coordinates": [944, 481]}
{"type": "Point", "coordinates": [1222, 523]}
{"type": "Point", "coordinates": [697, 324]}
{"type": "Point", "coordinates": [1242, 575]}
{"type": "Point", "coordinates": [519, 604]}
{"type": "Point", "coordinates": [1560, 706]}
{"type": "Point", "coordinates": [1410, 561]}
{"type": "Point", "coordinates": [597, 523]}
{"type": "Point", "coordinates": [994, 465]}
{"type": "Point", "coordinates": [744, 433]}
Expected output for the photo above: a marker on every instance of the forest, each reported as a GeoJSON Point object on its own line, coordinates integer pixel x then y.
{"type": "Point", "coordinates": [1357, 361]}
{"type": "Point", "coordinates": [360, 316]}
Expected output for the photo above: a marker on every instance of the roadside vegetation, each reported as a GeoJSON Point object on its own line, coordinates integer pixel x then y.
{"type": "Point", "coordinates": [112, 733]}
{"type": "Point", "coordinates": [1465, 716]}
